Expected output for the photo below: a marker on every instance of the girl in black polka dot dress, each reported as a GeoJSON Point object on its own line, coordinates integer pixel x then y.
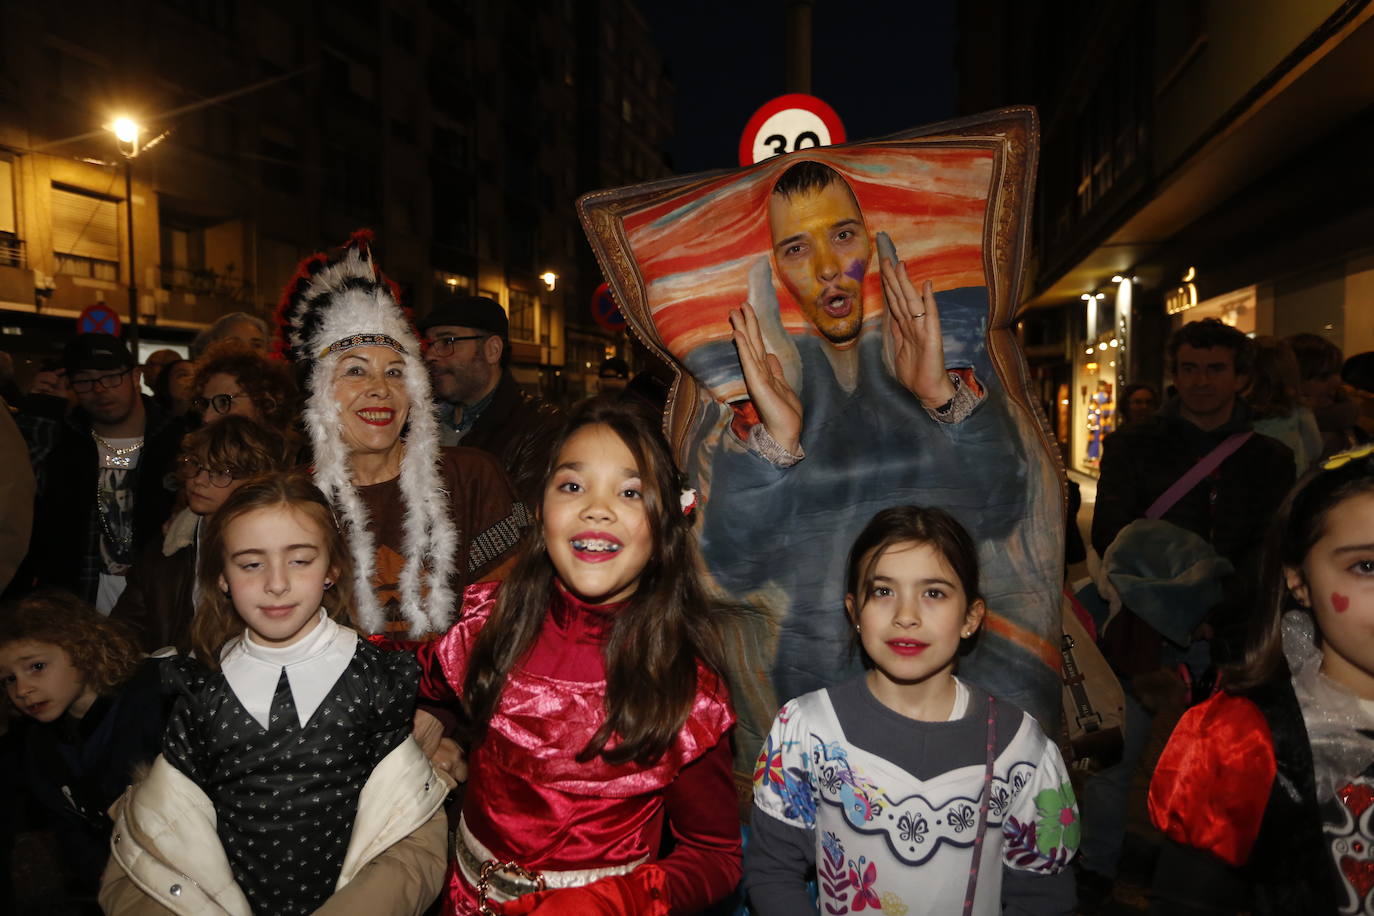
{"type": "Point", "coordinates": [289, 782]}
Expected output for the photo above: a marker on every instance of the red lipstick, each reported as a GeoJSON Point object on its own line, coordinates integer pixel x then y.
{"type": "Point", "coordinates": [376, 416]}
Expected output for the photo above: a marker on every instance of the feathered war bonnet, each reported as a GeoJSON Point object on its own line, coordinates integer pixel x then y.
{"type": "Point", "coordinates": [335, 304]}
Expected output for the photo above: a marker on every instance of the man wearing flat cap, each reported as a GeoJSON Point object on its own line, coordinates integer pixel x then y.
{"type": "Point", "coordinates": [102, 473]}
{"type": "Point", "coordinates": [467, 348]}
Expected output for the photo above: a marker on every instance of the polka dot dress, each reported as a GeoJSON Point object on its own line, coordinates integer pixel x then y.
{"type": "Point", "coordinates": [285, 797]}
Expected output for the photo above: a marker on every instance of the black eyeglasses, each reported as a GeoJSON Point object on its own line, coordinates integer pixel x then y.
{"type": "Point", "coordinates": [222, 403]}
{"type": "Point", "coordinates": [188, 468]}
{"type": "Point", "coordinates": [443, 346]}
{"type": "Point", "coordinates": [83, 385]}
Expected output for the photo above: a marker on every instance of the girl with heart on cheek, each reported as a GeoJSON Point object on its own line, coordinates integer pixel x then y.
{"type": "Point", "coordinates": [1266, 791]}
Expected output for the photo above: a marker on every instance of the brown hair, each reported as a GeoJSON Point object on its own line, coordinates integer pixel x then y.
{"type": "Point", "coordinates": [1273, 388]}
{"type": "Point", "coordinates": [655, 642]}
{"type": "Point", "coordinates": [267, 381]}
{"type": "Point", "coordinates": [1209, 333]}
{"type": "Point", "coordinates": [807, 177]}
{"type": "Point", "coordinates": [1317, 357]}
{"type": "Point", "coordinates": [1301, 522]}
{"type": "Point", "coordinates": [216, 621]}
{"type": "Point", "coordinates": [240, 445]}
{"type": "Point", "coordinates": [103, 650]}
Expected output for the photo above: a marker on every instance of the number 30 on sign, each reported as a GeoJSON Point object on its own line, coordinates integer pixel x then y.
{"type": "Point", "coordinates": [786, 124]}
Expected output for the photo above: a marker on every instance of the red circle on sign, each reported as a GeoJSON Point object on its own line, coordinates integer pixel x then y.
{"type": "Point", "coordinates": [604, 310]}
{"type": "Point", "coordinates": [783, 102]}
{"type": "Point", "coordinates": [98, 319]}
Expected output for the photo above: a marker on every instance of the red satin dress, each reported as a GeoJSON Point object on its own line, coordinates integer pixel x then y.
{"type": "Point", "coordinates": [528, 799]}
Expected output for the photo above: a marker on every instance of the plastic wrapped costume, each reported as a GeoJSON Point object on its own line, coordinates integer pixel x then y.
{"type": "Point", "coordinates": [529, 801]}
{"type": "Point", "coordinates": [1267, 797]}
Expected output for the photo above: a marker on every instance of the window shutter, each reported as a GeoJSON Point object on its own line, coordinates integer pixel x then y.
{"type": "Point", "coordinates": [84, 226]}
{"type": "Point", "coordinates": [7, 222]}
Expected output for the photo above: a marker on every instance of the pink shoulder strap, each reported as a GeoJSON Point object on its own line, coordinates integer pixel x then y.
{"type": "Point", "coordinates": [1205, 465]}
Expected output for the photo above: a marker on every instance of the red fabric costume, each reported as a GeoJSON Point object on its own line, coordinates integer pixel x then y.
{"type": "Point", "coordinates": [1236, 794]}
{"type": "Point", "coordinates": [530, 801]}
{"type": "Point", "coordinates": [1212, 782]}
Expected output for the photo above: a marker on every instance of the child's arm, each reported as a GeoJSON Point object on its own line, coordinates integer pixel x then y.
{"type": "Point", "coordinates": [120, 896]}
{"type": "Point", "coordinates": [403, 881]}
{"type": "Point", "coordinates": [1041, 833]}
{"type": "Point", "coordinates": [782, 839]}
{"type": "Point", "coordinates": [777, 860]}
{"type": "Point", "coordinates": [1208, 796]}
{"type": "Point", "coordinates": [704, 865]}
{"type": "Point", "coordinates": [1191, 882]}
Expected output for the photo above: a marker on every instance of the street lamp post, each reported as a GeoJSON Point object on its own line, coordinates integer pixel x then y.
{"type": "Point", "coordinates": [126, 131]}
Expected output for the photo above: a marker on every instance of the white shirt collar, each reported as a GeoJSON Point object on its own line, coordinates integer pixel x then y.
{"type": "Point", "coordinates": [313, 665]}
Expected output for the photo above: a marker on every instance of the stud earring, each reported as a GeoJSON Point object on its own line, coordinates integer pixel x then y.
{"type": "Point", "coordinates": [328, 583]}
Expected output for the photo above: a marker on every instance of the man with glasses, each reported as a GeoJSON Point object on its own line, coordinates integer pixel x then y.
{"type": "Point", "coordinates": [102, 474]}
{"type": "Point", "coordinates": [467, 349]}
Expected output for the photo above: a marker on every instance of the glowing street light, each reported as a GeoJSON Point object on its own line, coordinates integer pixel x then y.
{"type": "Point", "coordinates": [550, 279]}
{"type": "Point", "coordinates": [126, 130]}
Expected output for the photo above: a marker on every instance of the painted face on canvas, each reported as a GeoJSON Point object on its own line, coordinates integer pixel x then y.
{"type": "Point", "coordinates": [821, 251]}
{"type": "Point", "coordinates": [596, 526]}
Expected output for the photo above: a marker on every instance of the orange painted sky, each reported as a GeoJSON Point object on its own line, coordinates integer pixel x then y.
{"type": "Point", "coordinates": [695, 250]}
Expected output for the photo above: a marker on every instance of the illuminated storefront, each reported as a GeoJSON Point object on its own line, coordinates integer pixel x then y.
{"type": "Point", "coordinates": [1100, 369]}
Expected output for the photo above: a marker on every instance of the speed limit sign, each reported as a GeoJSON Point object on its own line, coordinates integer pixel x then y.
{"type": "Point", "coordinates": [786, 124]}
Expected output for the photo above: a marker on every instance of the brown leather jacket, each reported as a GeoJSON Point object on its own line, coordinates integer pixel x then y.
{"type": "Point", "coordinates": [157, 601]}
{"type": "Point", "coordinates": [519, 429]}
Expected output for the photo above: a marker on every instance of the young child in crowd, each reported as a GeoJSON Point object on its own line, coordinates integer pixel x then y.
{"type": "Point", "coordinates": [906, 789]}
{"type": "Point", "coordinates": [97, 713]}
{"type": "Point", "coordinates": [1264, 791]}
{"type": "Point", "coordinates": [288, 781]}
{"type": "Point", "coordinates": [159, 597]}
{"type": "Point", "coordinates": [592, 680]}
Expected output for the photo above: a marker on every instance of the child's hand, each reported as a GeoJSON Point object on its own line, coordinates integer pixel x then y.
{"type": "Point", "coordinates": [450, 758]}
{"type": "Point", "coordinates": [428, 732]}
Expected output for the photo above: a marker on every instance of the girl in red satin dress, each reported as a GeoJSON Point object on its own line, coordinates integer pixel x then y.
{"type": "Point", "coordinates": [1266, 791]}
{"type": "Point", "coordinates": [591, 678]}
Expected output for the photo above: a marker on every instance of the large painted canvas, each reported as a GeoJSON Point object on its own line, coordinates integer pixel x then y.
{"type": "Point", "coordinates": [800, 238]}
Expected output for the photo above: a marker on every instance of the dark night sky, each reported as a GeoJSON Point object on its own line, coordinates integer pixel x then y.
{"type": "Point", "coordinates": [883, 65]}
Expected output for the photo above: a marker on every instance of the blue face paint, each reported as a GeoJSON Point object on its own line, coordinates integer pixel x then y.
{"type": "Point", "coordinates": [856, 270]}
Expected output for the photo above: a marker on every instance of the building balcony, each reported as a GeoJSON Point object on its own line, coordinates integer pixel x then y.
{"type": "Point", "coordinates": [16, 279]}
{"type": "Point", "coordinates": [198, 295]}
{"type": "Point", "coordinates": [12, 252]}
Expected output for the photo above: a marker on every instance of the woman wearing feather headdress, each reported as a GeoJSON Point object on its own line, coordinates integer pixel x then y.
{"type": "Point", "coordinates": [422, 521]}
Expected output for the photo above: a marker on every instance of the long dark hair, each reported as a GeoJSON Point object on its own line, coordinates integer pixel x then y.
{"type": "Point", "coordinates": [909, 525]}
{"type": "Point", "coordinates": [216, 621]}
{"type": "Point", "coordinates": [655, 642]}
{"type": "Point", "coordinates": [1301, 522]}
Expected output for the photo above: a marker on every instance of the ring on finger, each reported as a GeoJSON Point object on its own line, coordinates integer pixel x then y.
{"type": "Point", "coordinates": [922, 315]}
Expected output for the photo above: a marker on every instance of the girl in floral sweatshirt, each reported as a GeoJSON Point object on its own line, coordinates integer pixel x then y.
{"type": "Point", "coordinates": [906, 789]}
